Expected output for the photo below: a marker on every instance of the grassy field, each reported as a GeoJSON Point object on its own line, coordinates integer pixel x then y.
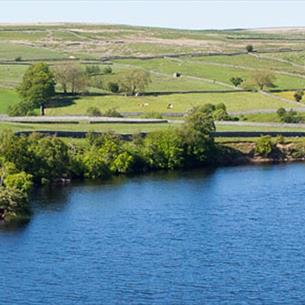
{"type": "Point", "coordinates": [127, 128]}
{"type": "Point", "coordinates": [9, 51]}
{"type": "Point", "coordinates": [239, 101]}
{"type": "Point", "coordinates": [7, 98]}
{"type": "Point", "coordinates": [210, 73]}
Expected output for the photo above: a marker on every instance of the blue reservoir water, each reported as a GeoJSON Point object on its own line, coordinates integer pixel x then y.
{"type": "Point", "coordinates": [226, 236]}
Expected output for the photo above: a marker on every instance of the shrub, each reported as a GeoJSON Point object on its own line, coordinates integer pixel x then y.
{"type": "Point", "coordinates": [279, 140]}
{"type": "Point", "coordinates": [50, 159]}
{"type": "Point", "coordinates": [92, 70]}
{"type": "Point", "coordinates": [112, 112]}
{"type": "Point", "coordinates": [236, 81]}
{"type": "Point", "coordinates": [151, 115]}
{"type": "Point", "coordinates": [298, 95]}
{"type": "Point", "coordinates": [249, 48]}
{"type": "Point", "coordinates": [281, 112]}
{"type": "Point", "coordinates": [107, 70]}
{"type": "Point", "coordinates": [264, 146]}
{"type": "Point", "coordinates": [22, 108]}
{"type": "Point", "coordinates": [196, 136]}
{"type": "Point", "coordinates": [93, 111]}
{"type": "Point", "coordinates": [123, 163]}
{"type": "Point", "coordinates": [290, 116]}
{"type": "Point", "coordinates": [21, 181]}
{"type": "Point", "coordinates": [221, 115]}
{"type": "Point", "coordinates": [15, 204]}
{"type": "Point", "coordinates": [113, 87]}
{"type": "Point", "coordinates": [298, 151]}
{"type": "Point", "coordinates": [18, 58]}
{"type": "Point", "coordinates": [94, 165]}
{"type": "Point", "coordinates": [164, 149]}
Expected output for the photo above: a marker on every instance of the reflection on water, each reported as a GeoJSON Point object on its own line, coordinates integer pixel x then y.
{"type": "Point", "coordinates": [227, 236]}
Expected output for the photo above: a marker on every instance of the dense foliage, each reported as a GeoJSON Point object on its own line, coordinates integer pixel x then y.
{"type": "Point", "coordinates": [290, 116]}
{"type": "Point", "coordinates": [37, 87]}
{"type": "Point", "coordinates": [44, 160]}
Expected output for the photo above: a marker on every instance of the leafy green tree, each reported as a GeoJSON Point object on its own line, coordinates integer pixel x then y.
{"type": "Point", "coordinates": [264, 79]}
{"type": "Point", "coordinates": [51, 159]}
{"type": "Point", "coordinates": [197, 139]}
{"type": "Point", "coordinates": [21, 181]}
{"type": "Point", "coordinates": [221, 115]}
{"type": "Point", "coordinates": [38, 85]}
{"type": "Point", "coordinates": [71, 77]}
{"type": "Point", "coordinates": [164, 149]}
{"type": "Point", "coordinates": [298, 95]}
{"type": "Point", "coordinates": [14, 203]}
{"type": "Point", "coordinates": [281, 112]}
{"type": "Point", "coordinates": [134, 81]}
{"type": "Point", "coordinates": [113, 87]}
{"type": "Point", "coordinates": [123, 163]}
{"type": "Point", "coordinates": [264, 146]}
{"type": "Point", "coordinates": [21, 109]}
{"type": "Point", "coordinates": [249, 48]}
{"type": "Point", "coordinates": [94, 165]}
{"type": "Point", "coordinates": [236, 81]}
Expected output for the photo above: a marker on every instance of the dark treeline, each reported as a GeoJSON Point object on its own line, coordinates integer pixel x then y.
{"type": "Point", "coordinates": [42, 160]}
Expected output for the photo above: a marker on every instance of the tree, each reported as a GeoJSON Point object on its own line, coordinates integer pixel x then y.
{"type": "Point", "coordinates": [164, 149]}
{"type": "Point", "coordinates": [93, 70]}
{"type": "Point", "coordinates": [134, 81]}
{"type": "Point", "coordinates": [249, 48]}
{"type": "Point", "coordinates": [71, 77]}
{"type": "Point", "coordinates": [264, 146]}
{"type": "Point", "coordinates": [196, 135]}
{"type": "Point", "coordinates": [298, 95]}
{"type": "Point", "coordinates": [236, 81]}
{"type": "Point", "coordinates": [38, 85]}
{"type": "Point", "coordinates": [264, 79]}
{"type": "Point", "coordinates": [113, 87]}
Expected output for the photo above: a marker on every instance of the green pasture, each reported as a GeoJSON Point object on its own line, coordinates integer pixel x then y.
{"type": "Point", "coordinates": [247, 60]}
{"type": "Point", "coordinates": [208, 71]}
{"type": "Point", "coordinates": [7, 97]}
{"type": "Point", "coordinates": [236, 101]}
{"type": "Point", "coordinates": [9, 51]}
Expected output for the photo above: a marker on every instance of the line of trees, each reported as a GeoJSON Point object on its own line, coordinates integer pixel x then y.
{"type": "Point", "coordinates": [43, 160]}
{"type": "Point", "coordinates": [40, 82]}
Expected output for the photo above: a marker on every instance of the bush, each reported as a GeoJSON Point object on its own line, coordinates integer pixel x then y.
{"type": "Point", "coordinates": [151, 115]}
{"type": "Point", "coordinates": [290, 116]}
{"type": "Point", "coordinates": [94, 165]}
{"type": "Point", "coordinates": [298, 95]}
{"type": "Point", "coordinates": [18, 58]}
{"type": "Point", "coordinates": [21, 181]}
{"type": "Point", "coordinates": [93, 111]}
{"type": "Point", "coordinates": [236, 81]}
{"type": "Point", "coordinates": [196, 136]}
{"type": "Point", "coordinates": [164, 150]}
{"type": "Point", "coordinates": [221, 115]}
{"type": "Point", "coordinates": [113, 87]}
{"type": "Point", "coordinates": [107, 70]}
{"type": "Point", "coordinates": [249, 48]}
{"type": "Point", "coordinates": [92, 70]}
{"type": "Point", "coordinates": [281, 112]}
{"type": "Point", "coordinates": [264, 146]}
{"type": "Point", "coordinates": [21, 109]}
{"type": "Point", "coordinates": [112, 112]}
{"type": "Point", "coordinates": [14, 203]}
{"type": "Point", "coordinates": [123, 163]}
{"type": "Point", "coordinates": [298, 151]}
